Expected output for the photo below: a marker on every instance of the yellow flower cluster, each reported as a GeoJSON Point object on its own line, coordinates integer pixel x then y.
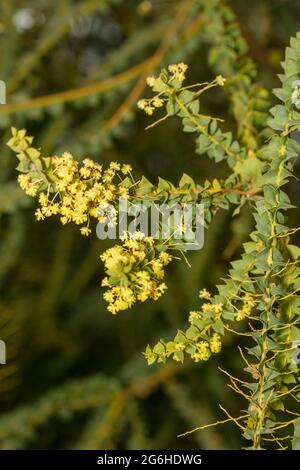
{"type": "Point", "coordinates": [194, 315]}
{"type": "Point", "coordinates": [149, 105]}
{"type": "Point", "coordinates": [19, 141]}
{"type": "Point", "coordinates": [204, 294]}
{"type": "Point", "coordinates": [215, 343]}
{"type": "Point", "coordinates": [163, 85]}
{"type": "Point", "coordinates": [206, 348]}
{"type": "Point", "coordinates": [134, 272]}
{"type": "Point", "coordinates": [73, 191]}
{"type": "Point", "coordinates": [177, 71]}
{"type": "Point", "coordinates": [245, 311]}
{"type": "Point", "coordinates": [210, 307]}
{"type": "Point", "coordinates": [80, 192]}
{"type": "Point", "coordinates": [29, 184]}
{"type": "Point", "coordinates": [203, 352]}
{"type": "Point", "coordinates": [200, 341]}
{"type": "Point", "coordinates": [220, 80]}
{"type": "Point", "coordinates": [211, 344]}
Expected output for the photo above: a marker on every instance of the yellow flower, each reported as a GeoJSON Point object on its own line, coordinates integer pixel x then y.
{"type": "Point", "coordinates": [85, 172]}
{"type": "Point", "coordinates": [203, 352]}
{"type": "Point", "coordinates": [136, 263]}
{"type": "Point", "coordinates": [206, 307]}
{"type": "Point", "coordinates": [43, 199]}
{"type": "Point", "coordinates": [28, 184]}
{"type": "Point", "coordinates": [215, 343]}
{"type": "Point", "coordinates": [109, 296]}
{"type": "Point", "coordinates": [204, 294]}
{"type": "Point", "coordinates": [149, 110]}
{"type": "Point", "coordinates": [85, 231]}
{"type": "Point", "coordinates": [247, 307]}
{"type": "Point", "coordinates": [194, 316]}
{"type": "Point", "coordinates": [126, 169]}
{"type": "Point", "coordinates": [150, 81]}
{"type": "Point", "coordinates": [178, 71]}
{"type": "Point", "coordinates": [39, 215]}
{"type": "Point", "coordinates": [220, 80]}
{"type": "Point", "coordinates": [179, 346]}
{"type": "Point", "coordinates": [115, 166]}
{"type": "Point", "coordinates": [217, 307]}
{"type": "Point", "coordinates": [157, 268]}
{"type": "Point", "coordinates": [105, 282]}
{"type": "Point", "coordinates": [240, 315]}
{"type": "Point", "coordinates": [165, 258]}
{"type": "Point", "coordinates": [141, 104]}
{"type": "Point", "coordinates": [157, 102]}
{"type": "Point", "coordinates": [64, 220]}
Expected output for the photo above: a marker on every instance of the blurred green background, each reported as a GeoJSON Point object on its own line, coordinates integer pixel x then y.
{"type": "Point", "coordinates": [75, 376]}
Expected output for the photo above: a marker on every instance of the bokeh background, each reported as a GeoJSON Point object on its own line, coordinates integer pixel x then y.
{"type": "Point", "coordinates": [75, 376]}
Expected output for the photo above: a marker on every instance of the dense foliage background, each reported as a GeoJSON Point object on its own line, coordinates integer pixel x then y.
{"type": "Point", "coordinates": [75, 376]}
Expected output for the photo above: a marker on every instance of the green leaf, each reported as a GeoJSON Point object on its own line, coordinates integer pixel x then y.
{"type": "Point", "coordinates": [294, 251]}
{"type": "Point", "coordinates": [186, 181]}
{"type": "Point", "coordinates": [144, 187]}
{"type": "Point", "coordinates": [172, 107]}
{"type": "Point", "coordinates": [218, 327]}
{"type": "Point", "coordinates": [33, 153]}
{"type": "Point", "coordinates": [188, 126]}
{"type": "Point", "coordinates": [195, 106]}
{"type": "Point", "coordinates": [159, 349]}
{"type": "Point", "coordinates": [186, 96]}
{"type": "Point", "coordinates": [164, 185]}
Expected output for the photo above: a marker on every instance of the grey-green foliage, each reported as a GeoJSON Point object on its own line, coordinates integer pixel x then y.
{"type": "Point", "coordinates": [262, 287]}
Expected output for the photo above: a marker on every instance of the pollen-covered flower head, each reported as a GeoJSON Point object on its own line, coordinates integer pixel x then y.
{"type": "Point", "coordinates": [67, 188]}
{"type": "Point", "coordinates": [177, 71]}
{"type": "Point", "coordinates": [134, 271]}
